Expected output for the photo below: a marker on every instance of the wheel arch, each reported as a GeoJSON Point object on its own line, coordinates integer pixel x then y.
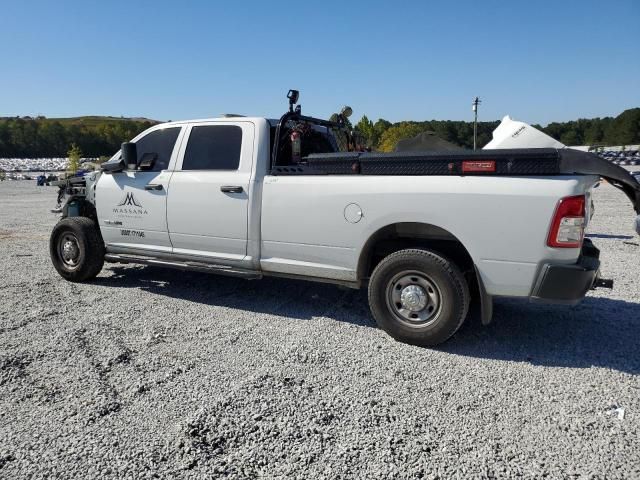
{"type": "Point", "coordinates": [400, 235]}
{"type": "Point", "coordinates": [79, 206]}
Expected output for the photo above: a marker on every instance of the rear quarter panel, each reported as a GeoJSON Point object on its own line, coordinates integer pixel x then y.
{"type": "Point", "coordinates": [502, 221]}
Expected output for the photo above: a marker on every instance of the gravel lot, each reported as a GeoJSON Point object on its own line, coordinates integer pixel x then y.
{"type": "Point", "coordinates": [154, 373]}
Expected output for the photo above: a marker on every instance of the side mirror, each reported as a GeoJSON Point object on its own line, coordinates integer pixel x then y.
{"type": "Point", "coordinates": [129, 154]}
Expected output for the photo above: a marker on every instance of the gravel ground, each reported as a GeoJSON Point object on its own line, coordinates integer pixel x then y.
{"type": "Point", "coordinates": [156, 373]}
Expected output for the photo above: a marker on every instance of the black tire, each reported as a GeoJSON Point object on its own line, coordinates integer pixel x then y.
{"type": "Point", "coordinates": [83, 257]}
{"type": "Point", "coordinates": [413, 279]}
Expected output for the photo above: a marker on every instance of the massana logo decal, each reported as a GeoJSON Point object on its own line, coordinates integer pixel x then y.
{"type": "Point", "coordinates": [130, 207]}
{"type": "Point", "coordinates": [130, 200]}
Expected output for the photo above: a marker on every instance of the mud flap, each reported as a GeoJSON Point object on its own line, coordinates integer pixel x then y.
{"type": "Point", "coordinates": [486, 300]}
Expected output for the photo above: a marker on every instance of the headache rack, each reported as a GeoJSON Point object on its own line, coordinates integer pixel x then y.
{"type": "Point", "coordinates": [338, 123]}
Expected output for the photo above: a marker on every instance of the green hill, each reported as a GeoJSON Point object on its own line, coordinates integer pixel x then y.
{"type": "Point", "coordinates": [52, 137]}
{"type": "Point", "coordinates": [95, 120]}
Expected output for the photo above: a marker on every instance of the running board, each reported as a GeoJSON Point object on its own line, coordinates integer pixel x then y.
{"type": "Point", "coordinates": [186, 265]}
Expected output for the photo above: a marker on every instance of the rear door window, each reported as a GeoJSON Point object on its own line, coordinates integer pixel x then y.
{"type": "Point", "coordinates": [213, 147]}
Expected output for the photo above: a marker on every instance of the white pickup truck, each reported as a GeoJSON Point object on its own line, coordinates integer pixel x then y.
{"type": "Point", "coordinates": [249, 197]}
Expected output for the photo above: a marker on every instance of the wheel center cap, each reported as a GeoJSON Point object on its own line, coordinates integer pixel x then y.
{"type": "Point", "coordinates": [413, 298]}
{"type": "Point", "coordinates": [70, 250]}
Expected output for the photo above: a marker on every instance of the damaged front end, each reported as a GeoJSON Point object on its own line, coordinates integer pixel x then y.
{"type": "Point", "coordinates": [76, 196]}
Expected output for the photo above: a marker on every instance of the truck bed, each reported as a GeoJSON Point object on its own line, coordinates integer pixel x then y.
{"type": "Point", "coordinates": [503, 162]}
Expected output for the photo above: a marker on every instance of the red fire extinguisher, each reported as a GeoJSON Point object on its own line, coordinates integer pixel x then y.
{"type": "Point", "coordinates": [296, 146]}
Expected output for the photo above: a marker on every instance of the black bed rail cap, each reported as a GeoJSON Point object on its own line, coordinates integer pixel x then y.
{"type": "Point", "coordinates": [541, 153]}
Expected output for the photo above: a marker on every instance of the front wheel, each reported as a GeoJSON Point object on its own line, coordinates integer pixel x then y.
{"type": "Point", "coordinates": [418, 297]}
{"type": "Point", "coordinates": [77, 249]}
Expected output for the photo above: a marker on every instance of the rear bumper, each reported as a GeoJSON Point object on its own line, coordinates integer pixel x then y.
{"type": "Point", "coordinates": [568, 283]}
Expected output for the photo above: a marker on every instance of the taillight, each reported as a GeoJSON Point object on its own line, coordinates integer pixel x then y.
{"type": "Point", "coordinates": [567, 226]}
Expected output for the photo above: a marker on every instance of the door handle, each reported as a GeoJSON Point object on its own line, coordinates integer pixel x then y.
{"type": "Point", "coordinates": [231, 189]}
{"type": "Point", "coordinates": [153, 186]}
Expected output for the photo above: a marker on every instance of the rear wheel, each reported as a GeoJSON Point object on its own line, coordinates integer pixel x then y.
{"type": "Point", "coordinates": [418, 297]}
{"type": "Point", "coordinates": [76, 249]}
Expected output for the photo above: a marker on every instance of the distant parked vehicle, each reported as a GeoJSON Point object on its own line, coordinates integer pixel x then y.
{"type": "Point", "coordinates": [52, 178]}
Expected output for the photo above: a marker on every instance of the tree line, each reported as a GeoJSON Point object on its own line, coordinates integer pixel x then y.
{"type": "Point", "coordinates": [42, 137]}
{"type": "Point", "coordinates": [25, 137]}
{"type": "Point", "coordinates": [621, 130]}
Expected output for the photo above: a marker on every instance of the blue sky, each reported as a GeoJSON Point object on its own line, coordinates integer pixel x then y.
{"type": "Point", "coordinates": [402, 60]}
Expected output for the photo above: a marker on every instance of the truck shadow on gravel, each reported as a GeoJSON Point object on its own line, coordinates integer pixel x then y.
{"type": "Point", "coordinates": [599, 332]}
{"type": "Point", "coordinates": [273, 296]}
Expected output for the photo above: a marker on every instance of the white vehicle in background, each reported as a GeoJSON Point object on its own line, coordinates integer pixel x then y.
{"type": "Point", "coordinates": [423, 231]}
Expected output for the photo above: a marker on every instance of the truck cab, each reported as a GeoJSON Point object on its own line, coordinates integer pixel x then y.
{"type": "Point", "coordinates": [192, 200]}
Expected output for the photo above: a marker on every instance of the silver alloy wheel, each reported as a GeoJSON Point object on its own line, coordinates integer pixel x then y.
{"type": "Point", "coordinates": [413, 298]}
{"type": "Point", "coordinates": [69, 250]}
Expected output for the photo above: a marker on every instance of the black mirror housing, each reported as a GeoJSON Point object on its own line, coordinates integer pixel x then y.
{"type": "Point", "coordinates": [129, 154]}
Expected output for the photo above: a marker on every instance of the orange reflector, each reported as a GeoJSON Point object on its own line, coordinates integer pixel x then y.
{"type": "Point", "coordinates": [469, 166]}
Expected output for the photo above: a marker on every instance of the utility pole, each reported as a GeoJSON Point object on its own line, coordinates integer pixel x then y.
{"type": "Point", "coordinates": [476, 102]}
